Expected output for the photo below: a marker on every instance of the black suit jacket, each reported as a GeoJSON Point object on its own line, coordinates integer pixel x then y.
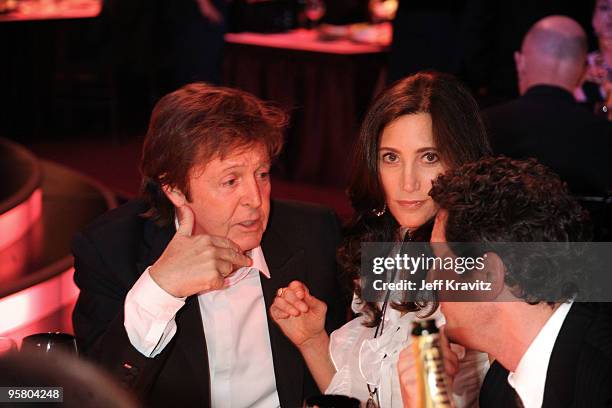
{"type": "Point", "coordinates": [580, 369]}
{"type": "Point", "coordinates": [111, 254]}
{"type": "Point", "coordinates": [548, 124]}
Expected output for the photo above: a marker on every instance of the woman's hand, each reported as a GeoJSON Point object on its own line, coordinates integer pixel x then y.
{"type": "Point", "coordinates": [406, 370]}
{"type": "Point", "coordinates": [300, 315]}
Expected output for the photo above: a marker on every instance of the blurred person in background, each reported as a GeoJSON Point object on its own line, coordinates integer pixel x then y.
{"type": "Point", "coordinates": [596, 91]}
{"type": "Point", "coordinates": [546, 122]}
{"type": "Point", "coordinates": [502, 26]}
{"type": "Point", "coordinates": [83, 385]}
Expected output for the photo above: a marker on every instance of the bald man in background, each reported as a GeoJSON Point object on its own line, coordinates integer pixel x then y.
{"type": "Point", "coordinates": [546, 122]}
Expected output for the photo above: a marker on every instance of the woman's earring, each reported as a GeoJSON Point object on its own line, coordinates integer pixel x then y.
{"type": "Point", "coordinates": [379, 213]}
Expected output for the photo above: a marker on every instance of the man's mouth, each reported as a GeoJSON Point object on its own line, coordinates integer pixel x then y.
{"type": "Point", "coordinates": [249, 224]}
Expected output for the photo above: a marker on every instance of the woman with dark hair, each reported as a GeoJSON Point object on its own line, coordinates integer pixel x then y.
{"type": "Point", "coordinates": [418, 128]}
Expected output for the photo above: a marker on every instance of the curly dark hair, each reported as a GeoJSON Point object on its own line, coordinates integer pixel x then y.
{"type": "Point", "coordinates": [501, 200]}
{"type": "Point", "coordinates": [459, 136]}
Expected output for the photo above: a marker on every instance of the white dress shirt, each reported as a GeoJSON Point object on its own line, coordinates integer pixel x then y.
{"type": "Point", "coordinates": [360, 359]}
{"type": "Point", "coordinates": [529, 378]}
{"type": "Point", "coordinates": [236, 329]}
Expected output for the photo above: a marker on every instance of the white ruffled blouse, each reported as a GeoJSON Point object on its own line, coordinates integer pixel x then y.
{"type": "Point", "coordinates": [361, 359]}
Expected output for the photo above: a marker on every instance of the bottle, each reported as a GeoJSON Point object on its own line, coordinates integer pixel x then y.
{"type": "Point", "coordinates": [432, 381]}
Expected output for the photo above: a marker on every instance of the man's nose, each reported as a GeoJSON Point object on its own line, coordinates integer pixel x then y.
{"type": "Point", "coordinates": [252, 194]}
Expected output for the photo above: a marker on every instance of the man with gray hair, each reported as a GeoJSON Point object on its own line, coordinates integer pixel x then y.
{"type": "Point", "coordinates": [546, 122]}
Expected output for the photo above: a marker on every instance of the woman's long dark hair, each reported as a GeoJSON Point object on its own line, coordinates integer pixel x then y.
{"type": "Point", "coordinates": [459, 136]}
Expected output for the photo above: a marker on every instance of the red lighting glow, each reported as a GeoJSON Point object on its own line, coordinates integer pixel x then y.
{"type": "Point", "coordinates": [34, 303]}
{"type": "Point", "coordinates": [15, 222]}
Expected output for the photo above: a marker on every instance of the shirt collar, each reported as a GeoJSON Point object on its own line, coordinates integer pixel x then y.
{"type": "Point", "coordinates": [259, 261]}
{"type": "Point", "coordinates": [256, 254]}
{"type": "Point", "coordinates": [529, 378]}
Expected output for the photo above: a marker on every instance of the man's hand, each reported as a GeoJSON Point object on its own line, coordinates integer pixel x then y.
{"type": "Point", "coordinates": [300, 315]}
{"type": "Point", "coordinates": [451, 357]}
{"type": "Point", "coordinates": [194, 264]}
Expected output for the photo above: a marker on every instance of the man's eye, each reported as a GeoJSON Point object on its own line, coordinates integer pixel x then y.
{"type": "Point", "coordinates": [264, 174]}
{"type": "Point", "coordinates": [229, 183]}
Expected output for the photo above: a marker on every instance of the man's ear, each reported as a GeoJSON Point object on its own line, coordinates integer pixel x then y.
{"type": "Point", "coordinates": [582, 74]}
{"type": "Point", "coordinates": [519, 62]}
{"type": "Point", "coordinates": [175, 195]}
{"type": "Point", "coordinates": [495, 273]}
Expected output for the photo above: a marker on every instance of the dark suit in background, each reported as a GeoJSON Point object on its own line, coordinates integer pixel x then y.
{"type": "Point", "coordinates": [580, 367]}
{"type": "Point", "coordinates": [548, 124]}
{"type": "Point", "coordinates": [110, 255]}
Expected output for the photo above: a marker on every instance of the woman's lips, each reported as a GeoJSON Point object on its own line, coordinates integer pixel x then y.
{"type": "Point", "coordinates": [411, 204]}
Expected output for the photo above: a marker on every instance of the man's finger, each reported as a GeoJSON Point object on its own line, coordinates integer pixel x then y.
{"type": "Point", "coordinates": [451, 367]}
{"type": "Point", "coordinates": [451, 361]}
{"type": "Point", "coordinates": [222, 242]}
{"type": "Point", "coordinates": [235, 258]}
{"type": "Point", "coordinates": [185, 220]}
{"type": "Point", "coordinates": [224, 268]}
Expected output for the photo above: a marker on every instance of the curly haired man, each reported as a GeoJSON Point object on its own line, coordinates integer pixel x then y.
{"type": "Point", "coordinates": [549, 352]}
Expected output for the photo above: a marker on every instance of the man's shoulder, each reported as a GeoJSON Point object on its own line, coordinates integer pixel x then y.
{"type": "Point", "coordinates": [594, 370]}
{"type": "Point", "coordinates": [503, 118]}
{"type": "Point", "coordinates": [116, 238]}
{"type": "Point", "coordinates": [598, 338]}
{"type": "Point", "coordinates": [588, 328]}
{"type": "Point", "coordinates": [118, 224]}
{"type": "Point", "coordinates": [495, 388]}
{"type": "Point", "coordinates": [503, 108]}
{"type": "Point", "coordinates": [506, 109]}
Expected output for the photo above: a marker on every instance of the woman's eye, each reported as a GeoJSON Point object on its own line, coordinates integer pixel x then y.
{"type": "Point", "coordinates": [390, 157]}
{"type": "Point", "coordinates": [430, 157]}
{"type": "Point", "coordinates": [264, 174]}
